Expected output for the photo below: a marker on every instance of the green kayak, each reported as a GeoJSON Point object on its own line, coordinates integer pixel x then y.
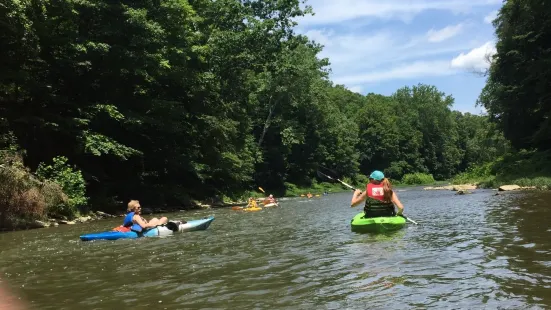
{"type": "Point", "coordinates": [376, 224]}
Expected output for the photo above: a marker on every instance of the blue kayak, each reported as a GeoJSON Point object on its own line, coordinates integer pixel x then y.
{"type": "Point", "coordinates": [164, 230]}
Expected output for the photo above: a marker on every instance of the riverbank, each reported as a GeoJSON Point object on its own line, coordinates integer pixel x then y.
{"type": "Point", "coordinates": [212, 203]}
{"type": "Point", "coordinates": [503, 174]}
{"type": "Point", "coordinates": [465, 188]}
{"type": "Point", "coordinates": [526, 169]}
{"type": "Point", "coordinates": [45, 222]}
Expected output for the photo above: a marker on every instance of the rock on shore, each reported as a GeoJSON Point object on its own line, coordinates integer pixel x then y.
{"type": "Point", "coordinates": [461, 187]}
{"type": "Point", "coordinates": [514, 187]}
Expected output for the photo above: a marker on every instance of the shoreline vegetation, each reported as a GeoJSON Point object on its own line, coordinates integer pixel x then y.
{"type": "Point", "coordinates": [40, 218]}
{"type": "Point", "coordinates": [104, 103]}
{"type": "Point", "coordinates": [528, 169]}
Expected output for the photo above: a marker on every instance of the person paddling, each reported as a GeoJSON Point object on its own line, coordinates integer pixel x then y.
{"type": "Point", "coordinates": [379, 197]}
{"type": "Point", "coordinates": [135, 222]}
{"type": "Point", "coordinates": [252, 203]}
{"type": "Point", "coordinates": [271, 199]}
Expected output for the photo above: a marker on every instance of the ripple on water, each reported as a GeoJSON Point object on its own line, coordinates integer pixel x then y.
{"type": "Point", "coordinates": [470, 252]}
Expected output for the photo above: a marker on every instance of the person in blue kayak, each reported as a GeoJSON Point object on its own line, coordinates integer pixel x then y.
{"type": "Point", "coordinates": [135, 222]}
{"type": "Point", "coordinates": [379, 197]}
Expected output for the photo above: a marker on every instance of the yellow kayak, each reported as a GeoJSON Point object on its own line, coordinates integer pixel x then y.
{"type": "Point", "coordinates": [252, 209]}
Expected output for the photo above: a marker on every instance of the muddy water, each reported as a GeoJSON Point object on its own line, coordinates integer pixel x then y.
{"type": "Point", "coordinates": [470, 251]}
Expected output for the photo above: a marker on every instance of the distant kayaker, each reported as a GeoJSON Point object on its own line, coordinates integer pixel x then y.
{"type": "Point", "coordinates": [137, 223]}
{"type": "Point", "coordinates": [271, 199]}
{"type": "Point", "coordinates": [252, 203]}
{"type": "Point", "coordinates": [379, 197]}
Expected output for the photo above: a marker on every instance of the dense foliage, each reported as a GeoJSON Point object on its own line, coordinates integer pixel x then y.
{"type": "Point", "coordinates": [517, 94]}
{"type": "Point", "coordinates": [517, 97]}
{"type": "Point", "coordinates": [165, 101]}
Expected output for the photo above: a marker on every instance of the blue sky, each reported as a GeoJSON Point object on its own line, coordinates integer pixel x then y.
{"type": "Point", "coordinates": [381, 45]}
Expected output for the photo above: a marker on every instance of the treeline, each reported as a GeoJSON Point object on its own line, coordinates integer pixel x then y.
{"type": "Point", "coordinates": [517, 95]}
{"type": "Point", "coordinates": [168, 101]}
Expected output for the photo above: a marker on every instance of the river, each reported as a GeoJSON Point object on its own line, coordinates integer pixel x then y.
{"type": "Point", "coordinates": [468, 252]}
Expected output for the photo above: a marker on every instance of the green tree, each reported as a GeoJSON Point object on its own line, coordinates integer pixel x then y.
{"type": "Point", "coordinates": [516, 95]}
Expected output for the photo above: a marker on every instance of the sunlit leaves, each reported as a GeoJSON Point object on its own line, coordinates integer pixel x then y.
{"type": "Point", "coordinates": [517, 95]}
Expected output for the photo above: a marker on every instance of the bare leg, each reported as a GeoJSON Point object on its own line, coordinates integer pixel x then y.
{"type": "Point", "coordinates": [155, 221]}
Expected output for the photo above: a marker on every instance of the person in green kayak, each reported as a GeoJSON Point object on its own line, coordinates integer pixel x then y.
{"type": "Point", "coordinates": [379, 197]}
{"type": "Point", "coordinates": [137, 223]}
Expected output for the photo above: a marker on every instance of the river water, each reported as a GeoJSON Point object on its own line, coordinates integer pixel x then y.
{"type": "Point", "coordinates": [468, 252]}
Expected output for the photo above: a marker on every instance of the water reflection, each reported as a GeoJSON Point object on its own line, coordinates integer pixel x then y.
{"type": "Point", "coordinates": [519, 252]}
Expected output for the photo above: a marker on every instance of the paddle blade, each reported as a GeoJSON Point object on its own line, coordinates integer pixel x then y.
{"type": "Point", "coordinates": [323, 175]}
{"type": "Point", "coordinates": [261, 189]}
{"type": "Point", "coordinates": [408, 219]}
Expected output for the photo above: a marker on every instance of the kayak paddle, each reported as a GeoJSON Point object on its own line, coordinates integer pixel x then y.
{"type": "Point", "coordinates": [343, 183]}
{"type": "Point", "coordinates": [408, 219]}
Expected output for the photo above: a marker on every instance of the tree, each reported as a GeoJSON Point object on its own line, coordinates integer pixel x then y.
{"type": "Point", "coordinates": [516, 95]}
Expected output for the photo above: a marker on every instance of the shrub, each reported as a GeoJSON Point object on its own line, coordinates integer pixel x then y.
{"type": "Point", "coordinates": [23, 197]}
{"type": "Point", "coordinates": [417, 178]}
{"type": "Point", "coordinates": [71, 181]}
{"type": "Point", "coordinates": [361, 179]}
{"type": "Point", "coordinates": [317, 186]}
{"type": "Point", "coordinates": [291, 189]}
{"type": "Point", "coordinates": [475, 174]}
{"type": "Point", "coordinates": [523, 168]}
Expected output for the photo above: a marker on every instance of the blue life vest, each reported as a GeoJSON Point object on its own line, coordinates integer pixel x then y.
{"type": "Point", "coordinates": [129, 223]}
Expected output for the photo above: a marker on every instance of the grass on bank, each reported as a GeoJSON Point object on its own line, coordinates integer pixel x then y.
{"type": "Point", "coordinates": [525, 168]}
{"type": "Point", "coordinates": [360, 181]}
{"type": "Point", "coordinates": [292, 190]}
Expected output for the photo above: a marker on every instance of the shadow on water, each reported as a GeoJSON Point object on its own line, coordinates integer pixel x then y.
{"type": "Point", "coordinates": [468, 252]}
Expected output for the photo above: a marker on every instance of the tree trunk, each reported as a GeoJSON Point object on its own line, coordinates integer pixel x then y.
{"type": "Point", "coordinates": [267, 123]}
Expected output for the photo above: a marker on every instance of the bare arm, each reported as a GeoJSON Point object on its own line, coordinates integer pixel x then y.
{"type": "Point", "coordinates": [357, 198]}
{"type": "Point", "coordinates": [138, 220]}
{"type": "Point", "coordinates": [397, 202]}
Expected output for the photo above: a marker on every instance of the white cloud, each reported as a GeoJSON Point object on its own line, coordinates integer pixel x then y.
{"type": "Point", "coordinates": [488, 19]}
{"type": "Point", "coordinates": [475, 58]}
{"type": "Point", "coordinates": [444, 33]}
{"type": "Point", "coordinates": [354, 52]}
{"type": "Point", "coordinates": [413, 70]}
{"type": "Point", "coordinates": [363, 52]}
{"type": "Point", "coordinates": [320, 36]}
{"type": "Point", "coordinates": [356, 89]}
{"type": "Point", "coordinates": [331, 11]}
{"type": "Point", "coordinates": [352, 48]}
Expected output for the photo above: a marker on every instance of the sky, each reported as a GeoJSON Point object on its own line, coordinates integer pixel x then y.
{"type": "Point", "coordinates": [380, 46]}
